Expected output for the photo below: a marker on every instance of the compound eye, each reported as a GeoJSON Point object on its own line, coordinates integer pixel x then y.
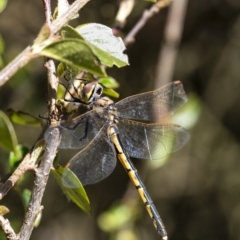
{"type": "Point", "coordinates": [98, 90]}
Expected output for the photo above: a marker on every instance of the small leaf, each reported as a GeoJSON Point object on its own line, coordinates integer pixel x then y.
{"type": "Point", "coordinates": [108, 82]}
{"type": "Point", "coordinates": [23, 118]}
{"type": "Point", "coordinates": [17, 156]}
{"type": "Point", "coordinates": [8, 138]}
{"type": "Point", "coordinates": [110, 92]}
{"type": "Point", "coordinates": [76, 53]}
{"type": "Point", "coordinates": [61, 90]}
{"type": "Point", "coordinates": [116, 217]}
{"type": "Point", "coordinates": [38, 150]}
{"type": "Point", "coordinates": [60, 70]}
{"type": "Point", "coordinates": [2, 45]}
{"type": "Point", "coordinates": [26, 194]}
{"type": "Point", "coordinates": [72, 187]}
{"type": "Point", "coordinates": [108, 48]}
{"type": "Point", "coordinates": [3, 4]}
{"type": "Point", "coordinates": [43, 35]}
{"type": "Point", "coordinates": [3, 210]}
{"type": "Point", "coordinates": [69, 32]}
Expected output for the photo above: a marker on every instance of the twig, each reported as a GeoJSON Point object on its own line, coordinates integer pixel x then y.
{"type": "Point", "coordinates": [20, 61]}
{"type": "Point", "coordinates": [27, 164]}
{"type": "Point", "coordinates": [169, 50]}
{"type": "Point", "coordinates": [125, 8]}
{"type": "Point", "coordinates": [52, 138]}
{"type": "Point", "coordinates": [7, 229]}
{"type": "Point", "coordinates": [24, 57]}
{"type": "Point", "coordinates": [52, 91]}
{"type": "Point", "coordinates": [147, 14]}
{"type": "Point", "coordinates": [47, 11]}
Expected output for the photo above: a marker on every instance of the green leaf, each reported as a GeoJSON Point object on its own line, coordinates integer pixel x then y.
{"type": "Point", "coordinates": [116, 217]}
{"type": "Point", "coordinates": [3, 210]}
{"type": "Point", "coordinates": [38, 150]}
{"type": "Point", "coordinates": [60, 70]}
{"type": "Point", "coordinates": [108, 82]}
{"type": "Point", "coordinates": [2, 45]}
{"type": "Point", "coordinates": [76, 53]}
{"type": "Point", "coordinates": [110, 92]}
{"type": "Point", "coordinates": [17, 156]}
{"type": "Point", "coordinates": [69, 32]}
{"type": "Point", "coordinates": [108, 48]}
{"type": "Point", "coordinates": [8, 138]}
{"type": "Point", "coordinates": [72, 187]}
{"type": "Point", "coordinates": [26, 194]}
{"type": "Point", "coordinates": [3, 4]}
{"type": "Point", "coordinates": [23, 118]}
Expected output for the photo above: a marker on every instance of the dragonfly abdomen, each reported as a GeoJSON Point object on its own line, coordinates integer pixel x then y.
{"type": "Point", "coordinates": [133, 174]}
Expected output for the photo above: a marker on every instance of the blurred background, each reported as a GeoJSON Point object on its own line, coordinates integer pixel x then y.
{"type": "Point", "coordinates": [197, 189]}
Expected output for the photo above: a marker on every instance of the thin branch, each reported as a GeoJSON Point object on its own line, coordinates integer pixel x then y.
{"type": "Point", "coordinates": [24, 57]}
{"type": "Point", "coordinates": [125, 8]}
{"type": "Point", "coordinates": [7, 229]}
{"type": "Point", "coordinates": [20, 61]}
{"type": "Point", "coordinates": [52, 91]}
{"type": "Point", "coordinates": [24, 166]}
{"type": "Point", "coordinates": [173, 33]}
{"type": "Point", "coordinates": [68, 15]}
{"type": "Point", "coordinates": [47, 11]}
{"type": "Point", "coordinates": [52, 138]}
{"type": "Point", "coordinates": [147, 14]}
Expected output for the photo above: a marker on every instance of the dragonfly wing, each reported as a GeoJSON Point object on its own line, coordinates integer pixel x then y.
{"type": "Point", "coordinates": [78, 132]}
{"type": "Point", "coordinates": [96, 161]}
{"type": "Point", "coordinates": [155, 105]}
{"type": "Point", "coordinates": [151, 141]}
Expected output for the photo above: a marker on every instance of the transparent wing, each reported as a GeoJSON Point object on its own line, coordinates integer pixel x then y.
{"type": "Point", "coordinates": [155, 105]}
{"type": "Point", "coordinates": [151, 141]}
{"type": "Point", "coordinates": [96, 161]}
{"type": "Point", "coordinates": [78, 132]}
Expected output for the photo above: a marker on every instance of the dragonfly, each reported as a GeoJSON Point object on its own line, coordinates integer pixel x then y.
{"type": "Point", "coordinates": [129, 128]}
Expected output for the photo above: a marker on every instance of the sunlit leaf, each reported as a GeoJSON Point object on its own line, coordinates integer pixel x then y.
{"type": "Point", "coordinates": [17, 156]}
{"type": "Point", "coordinates": [117, 216]}
{"type": "Point", "coordinates": [110, 92]}
{"type": "Point", "coordinates": [108, 82]}
{"type": "Point", "coordinates": [8, 138]}
{"type": "Point", "coordinates": [72, 187]}
{"type": "Point", "coordinates": [108, 48]}
{"type": "Point", "coordinates": [3, 210]}
{"type": "Point", "coordinates": [76, 53]}
{"type": "Point", "coordinates": [23, 118]}
{"type": "Point", "coordinates": [3, 4]}
{"type": "Point", "coordinates": [188, 115]}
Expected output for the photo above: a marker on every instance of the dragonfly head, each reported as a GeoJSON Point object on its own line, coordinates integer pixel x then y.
{"type": "Point", "coordinates": [91, 91]}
